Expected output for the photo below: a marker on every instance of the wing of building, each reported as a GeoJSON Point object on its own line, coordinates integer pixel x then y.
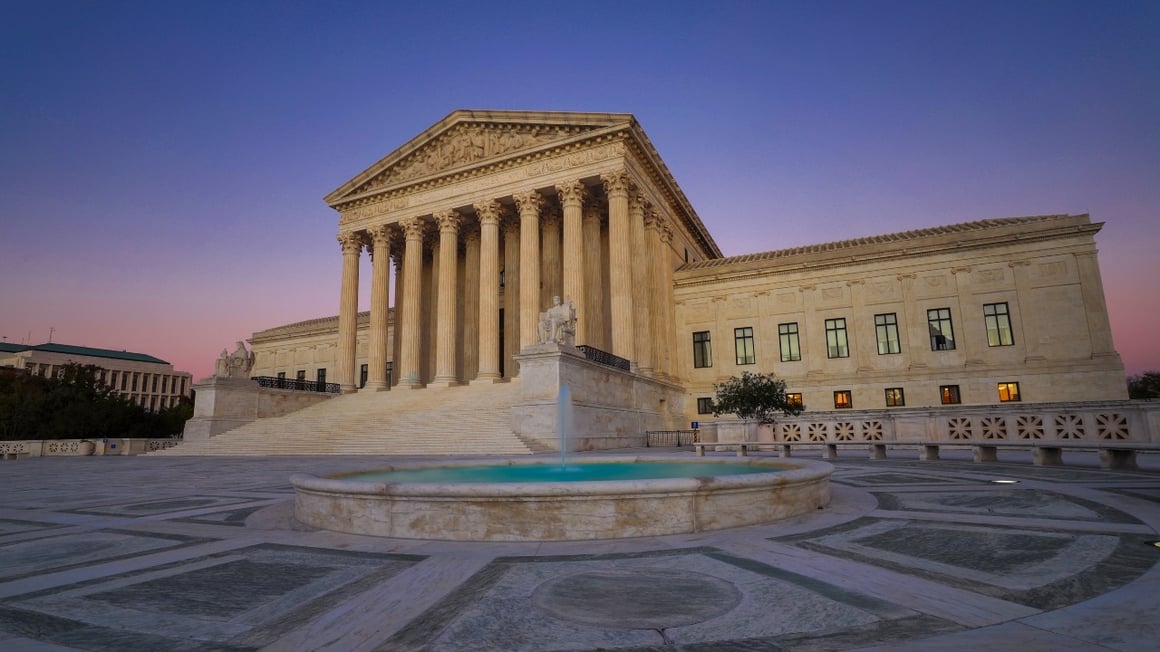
{"type": "Point", "coordinates": [143, 379]}
{"type": "Point", "coordinates": [489, 215]}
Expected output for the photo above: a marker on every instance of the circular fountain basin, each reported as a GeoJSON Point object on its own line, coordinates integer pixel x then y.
{"type": "Point", "coordinates": [688, 501]}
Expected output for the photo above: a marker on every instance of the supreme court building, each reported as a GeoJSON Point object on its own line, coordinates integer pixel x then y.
{"type": "Point", "coordinates": [487, 215]}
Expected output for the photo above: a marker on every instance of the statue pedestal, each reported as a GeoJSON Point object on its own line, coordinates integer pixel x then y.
{"type": "Point", "coordinates": [611, 408]}
{"type": "Point", "coordinates": [222, 404]}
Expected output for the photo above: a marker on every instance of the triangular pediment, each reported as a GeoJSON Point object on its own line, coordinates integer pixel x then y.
{"type": "Point", "coordinates": [466, 139]}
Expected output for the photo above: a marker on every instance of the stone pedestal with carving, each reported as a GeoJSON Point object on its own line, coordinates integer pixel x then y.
{"type": "Point", "coordinates": [611, 408]}
{"type": "Point", "coordinates": [223, 404]}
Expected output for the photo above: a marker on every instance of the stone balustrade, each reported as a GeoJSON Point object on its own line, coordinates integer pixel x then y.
{"type": "Point", "coordinates": [81, 447]}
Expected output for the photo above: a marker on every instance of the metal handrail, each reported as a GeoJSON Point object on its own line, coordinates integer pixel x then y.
{"type": "Point", "coordinates": [296, 385]}
{"type": "Point", "coordinates": [604, 357]}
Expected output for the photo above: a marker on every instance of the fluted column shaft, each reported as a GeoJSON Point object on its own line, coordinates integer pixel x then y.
{"type": "Point", "coordinates": [469, 320]}
{"type": "Point", "coordinates": [511, 296]}
{"type": "Point", "coordinates": [529, 204]}
{"type": "Point", "coordinates": [380, 300]}
{"type": "Point", "coordinates": [641, 287]}
{"type": "Point", "coordinates": [412, 304]}
{"type": "Point", "coordinates": [352, 244]}
{"type": "Point", "coordinates": [572, 198]}
{"type": "Point", "coordinates": [550, 255]}
{"type": "Point", "coordinates": [665, 260]}
{"type": "Point", "coordinates": [620, 265]}
{"type": "Point", "coordinates": [397, 322]}
{"type": "Point", "coordinates": [657, 340]}
{"type": "Point", "coordinates": [488, 213]}
{"type": "Point", "coordinates": [447, 298]}
{"type": "Point", "coordinates": [591, 309]}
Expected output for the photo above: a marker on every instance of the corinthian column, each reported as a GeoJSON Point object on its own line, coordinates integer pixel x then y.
{"type": "Point", "coordinates": [469, 320]}
{"type": "Point", "coordinates": [529, 204]}
{"type": "Point", "coordinates": [447, 297]}
{"type": "Point", "coordinates": [488, 213]}
{"type": "Point", "coordinates": [641, 286]}
{"type": "Point", "coordinates": [657, 340]}
{"type": "Point", "coordinates": [352, 244]}
{"type": "Point", "coordinates": [412, 301]}
{"type": "Point", "coordinates": [511, 295]}
{"type": "Point", "coordinates": [380, 299]}
{"type": "Point", "coordinates": [616, 186]}
{"type": "Point", "coordinates": [572, 198]}
{"type": "Point", "coordinates": [592, 301]}
{"type": "Point", "coordinates": [550, 257]}
{"type": "Point", "coordinates": [668, 304]}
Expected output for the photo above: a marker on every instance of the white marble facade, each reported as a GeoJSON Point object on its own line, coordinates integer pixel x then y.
{"type": "Point", "coordinates": [478, 222]}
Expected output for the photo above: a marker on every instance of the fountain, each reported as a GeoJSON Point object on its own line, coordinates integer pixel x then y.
{"type": "Point", "coordinates": [532, 500]}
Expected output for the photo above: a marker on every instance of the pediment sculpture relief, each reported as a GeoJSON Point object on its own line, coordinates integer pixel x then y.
{"type": "Point", "coordinates": [463, 145]}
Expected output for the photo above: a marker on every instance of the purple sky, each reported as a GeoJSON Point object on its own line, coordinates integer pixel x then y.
{"type": "Point", "coordinates": [162, 164]}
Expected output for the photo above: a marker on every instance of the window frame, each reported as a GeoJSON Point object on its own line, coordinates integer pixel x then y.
{"type": "Point", "coordinates": [836, 332]}
{"type": "Point", "coordinates": [935, 316]}
{"type": "Point", "coordinates": [949, 395]}
{"type": "Point", "coordinates": [895, 397]}
{"type": "Point", "coordinates": [848, 395]}
{"type": "Point", "coordinates": [743, 345]}
{"type": "Point", "coordinates": [885, 324]}
{"type": "Point", "coordinates": [1011, 389]}
{"type": "Point", "coordinates": [702, 350]}
{"type": "Point", "coordinates": [994, 320]}
{"type": "Point", "coordinates": [794, 399]}
{"type": "Point", "coordinates": [789, 342]}
{"type": "Point", "coordinates": [704, 405]}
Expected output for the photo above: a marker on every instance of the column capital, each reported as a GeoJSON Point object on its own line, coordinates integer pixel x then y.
{"type": "Point", "coordinates": [571, 193]}
{"type": "Point", "coordinates": [550, 216]}
{"type": "Point", "coordinates": [489, 212]}
{"type": "Point", "coordinates": [381, 234]}
{"type": "Point", "coordinates": [616, 182]}
{"type": "Point", "coordinates": [529, 203]}
{"type": "Point", "coordinates": [413, 228]}
{"type": "Point", "coordinates": [654, 220]}
{"type": "Point", "coordinates": [666, 228]}
{"type": "Point", "coordinates": [448, 221]}
{"type": "Point", "coordinates": [471, 235]}
{"type": "Point", "coordinates": [352, 242]}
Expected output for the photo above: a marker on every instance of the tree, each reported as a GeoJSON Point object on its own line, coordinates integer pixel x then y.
{"type": "Point", "coordinates": [1146, 385]}
{"type": "Point", "coordinates": [754, 397]}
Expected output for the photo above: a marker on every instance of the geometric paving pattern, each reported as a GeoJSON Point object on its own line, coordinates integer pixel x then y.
{"type": "Point", "coordinates": [203, 554]}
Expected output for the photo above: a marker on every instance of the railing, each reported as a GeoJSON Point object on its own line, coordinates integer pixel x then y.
{"type": "Point", "coordinates": [296, 385]}
{"type": "Point", "coordinates": [604, 357]}
{"type": "Point", "coordinates": [670, 437]}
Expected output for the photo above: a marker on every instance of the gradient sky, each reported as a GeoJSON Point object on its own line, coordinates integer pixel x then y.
{"type": "Point", "coordinates": [162, 164]}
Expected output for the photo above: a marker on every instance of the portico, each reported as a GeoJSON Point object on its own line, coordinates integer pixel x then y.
{"type": "Point", "coordinates": [487, 215]}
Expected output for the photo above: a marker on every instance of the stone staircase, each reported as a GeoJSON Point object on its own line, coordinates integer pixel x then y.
{"type": "Point", "coordinates": [464, 420]}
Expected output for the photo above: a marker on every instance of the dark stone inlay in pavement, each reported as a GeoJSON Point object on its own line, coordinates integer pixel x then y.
{"type": "Point", "coordinates": [213, 591]}
{"type": "Point", "coordinates": [234, 517]}
{"type": "Point", "coordinates": [83, 636]}
{"type": "Point", "coordinates": [1004, 500]}
{"type": "Point", "coordinates": [991, 552]}
{"type": "Point", "coordinates": [875, 479]}
{"type": "Point", "coordinates": [630, 599]}
{"type": "Point", "coordinates": [156, 506]}
{"type": "Point", "coordinates": [13, 525]}
{"type": "Point", "coordinates": [65, 551]}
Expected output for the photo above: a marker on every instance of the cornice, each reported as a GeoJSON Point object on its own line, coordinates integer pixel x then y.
{"type": "Point", "coordinates": [920, 242]}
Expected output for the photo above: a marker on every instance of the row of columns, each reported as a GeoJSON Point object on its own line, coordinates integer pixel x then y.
{"type": "Point", "coordinates": [639, 268]}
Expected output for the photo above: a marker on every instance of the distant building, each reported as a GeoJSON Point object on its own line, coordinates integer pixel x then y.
{"type": "Point", "coordinates": [143, 379]}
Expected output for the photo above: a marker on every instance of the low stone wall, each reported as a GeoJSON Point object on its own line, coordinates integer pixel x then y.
{"type": "Point", "coordinates": [223, 404]}
{"type": "Point", "coordinates": [83, 447]}
{"type": "Point", "coordinates": [611, 408]}
{"type": "Point", "coordinates": [1098, 422]}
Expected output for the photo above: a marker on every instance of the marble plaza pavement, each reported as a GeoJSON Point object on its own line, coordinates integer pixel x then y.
{"type": "Point", "coordinates": [145, 553]}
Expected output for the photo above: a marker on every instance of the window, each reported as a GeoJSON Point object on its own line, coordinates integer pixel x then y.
{"type": "Point", "coordinates": [124, 379]}
{"type": "Point", "coordinates": [949, 394]}
{"type": "Point", "coordinates": [1008, 392]}
{"type": "Point", "coordinates": [942, 332]}
{"type": "Point", "coordinates": [321, 376]}
{"type": "Point", "coordinates": [301, 374]}
{"type": "Point", "coordinates": [391, 365]}
{"type": "Point", "coordinates": [102, 379]}
{"type": "Point", "coordinates": [998, 320]}
{"type": "Point", "coordinates": [136, 377]}
{"type": "Point", "coordinates": [362, 376]}
{"type": "Point", "coordinates": [281, 380]}
{"type": "Point", "coordinates": [154, 390]}
{"type": "Point", "coordinates": [743, 341]}
{"type": "Point", "coordinates": [182, 386]}
{"type": "Point", "coordinates": [794, 400]}
{"type": "Point", "coordinates": [702, 350]}
{"type": "Point", "coordinates": [165, 384]}
{"type": "Point", "coordinates": [886, 327]}
{"type": "Point", "coordinates": [894, 397]}
{"type": "Point", "coordinates": [836, 344]}
{"type": "Point", "coordinates": [704, 405]}
{"type": "Point", "coordinates": [842, 399]}
{"type": "Point", "coordinates": [153, 404]}
{"type": "Point", "coordinates": [791, 350]}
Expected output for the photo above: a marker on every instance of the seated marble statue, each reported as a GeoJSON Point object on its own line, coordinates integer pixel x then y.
{"type": "Point", "coordinates": [235, 365]}
{"type": "Point", "coordinates": [558, 323]}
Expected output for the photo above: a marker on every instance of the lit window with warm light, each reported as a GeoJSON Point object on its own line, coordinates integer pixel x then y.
{"type": "Point", "coordinates": [843, 400]}
{"type": "Point", "coordinates": [1008, 392]}
{"type": "Point", "coordinates": [949, 394]}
